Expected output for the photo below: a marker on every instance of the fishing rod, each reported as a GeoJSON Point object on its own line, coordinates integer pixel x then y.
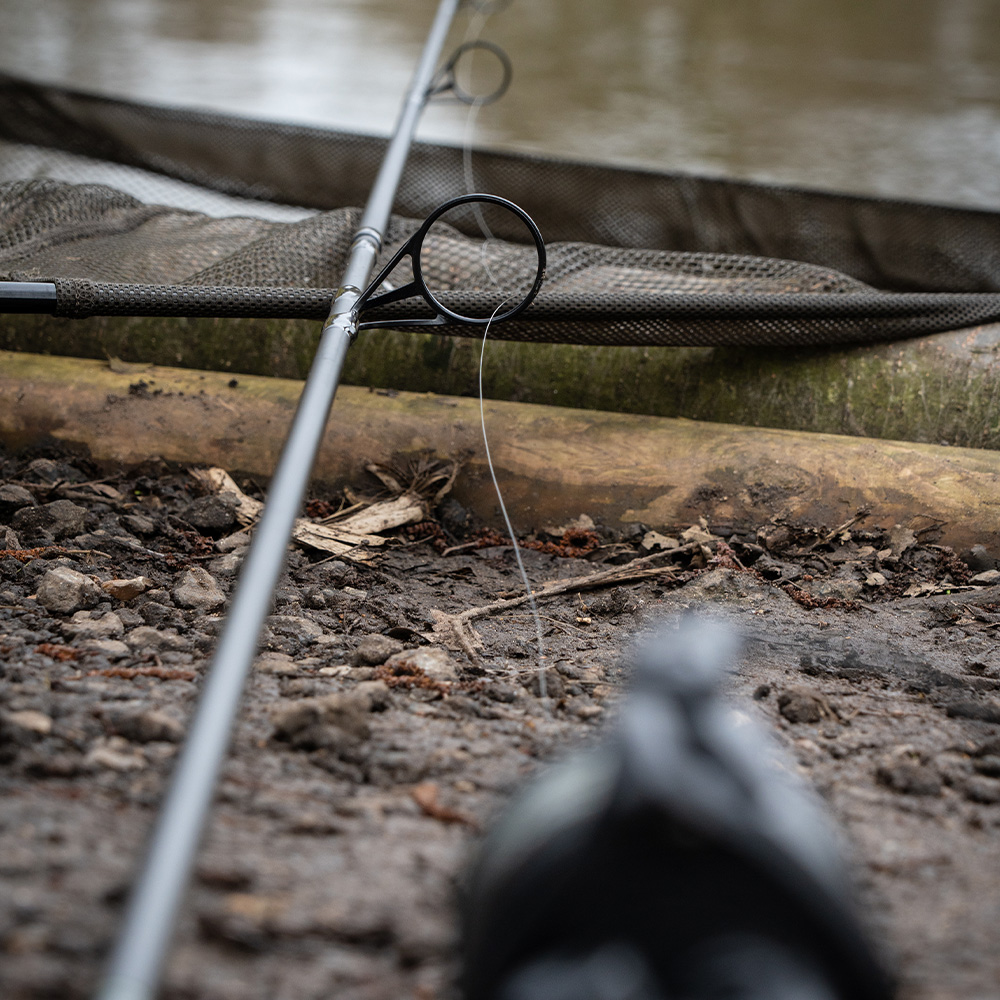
{"type": "Point", "coordinates": [506, 278]}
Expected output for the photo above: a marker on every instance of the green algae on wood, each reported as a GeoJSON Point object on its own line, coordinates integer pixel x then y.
{"type": "Point", "coordinates": [942, 389]}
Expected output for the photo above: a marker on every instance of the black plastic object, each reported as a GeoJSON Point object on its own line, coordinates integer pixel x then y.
{"type": "Point", "coordinates": [498, 278]}
{"type": "Point", "coordinates": [677, 859]}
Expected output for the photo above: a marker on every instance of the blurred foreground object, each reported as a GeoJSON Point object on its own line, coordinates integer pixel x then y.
{"type": "Point", "coordinates": [677, 859]}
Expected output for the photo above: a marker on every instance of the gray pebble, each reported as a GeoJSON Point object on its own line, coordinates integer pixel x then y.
{"type": "Point", "coordinates": [197, 589]}
{"type": "Point", "coordinates": [147, 726]}
{"type": "Point", "coordinates": [212, 513]}
{"type": "Point", "coordinates": [374, 650]}
{"type": "Point", "coordinates": [64, 591]}
{"type": "Point", "coordinates": [106, 626]}
{"type": "Point", "coordinates": [156, 640]}
{"type": "Point", "coordinates": [432, 661]}
{"type": "Point", "coordinates": [61, 518]}
{"type": "Point", "coordinates": [13, 497]}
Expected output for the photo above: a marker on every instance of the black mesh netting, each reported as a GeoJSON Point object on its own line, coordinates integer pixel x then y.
{"type": "Point", "coordinates": [721, 262]}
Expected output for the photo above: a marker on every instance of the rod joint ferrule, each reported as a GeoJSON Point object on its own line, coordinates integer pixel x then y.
{"type": "Point", "coordinates": [368, 235]}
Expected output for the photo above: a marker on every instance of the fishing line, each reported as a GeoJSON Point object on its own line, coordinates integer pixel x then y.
{"type": "Point", "coordinates": [542, 686]}
{"type": "Point", "coordinates": [474, 34]}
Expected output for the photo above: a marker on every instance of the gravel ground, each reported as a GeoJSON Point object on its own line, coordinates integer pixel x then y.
{"type": "Point", "coordinates": [379, 737]}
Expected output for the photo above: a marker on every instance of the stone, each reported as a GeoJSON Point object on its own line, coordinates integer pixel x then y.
{"type": "Point", "coordinates": [113, 649]}
{"type": "Point", "coordinates": [64, 590]}
{"type": "Point", "coordinates": [145, 637]}
{"type": "Point", "coordinates": [801, 705]}
{"type": "Point", "coordinates": [500, 691]}
{"type": "Point", "coordinates": [431, 661]}
{"type": "Point", "coordinates": [334, 722]}
{"type": "Point", "coordinates": [978, 559]}
{"type": "Point", "coordinates": [990, 766]}
{"type": "Point", "coordinates": [981, 711]}
{"type": "Point", "coordinates": [774, 537]}
{"type": "Point", "coordinates": [989, 748]}
{"type": "Point", "coordinates": [985, 791]}
{"type": "Point", "coordinates": [234, 542]}
{"type": "Point", "coordinates": [987, 576]}
{"type": "Point", "coordinates": [213, 513]}
{"type": "Point", "coordinates": [62, 518]}
{"type": "Point", "coordinates": [376, 693]}
{"type": "Point", "coordinates": [227, 875]}
{"type": "Point", "coordinates": [197, 589]}
{"type": "Point", "coordinates": [840, 588]}
{"type": "Point", "coordinates": [555, 686]}
{"type": "Point", "coordinates": [13, 497]}
{"type": "Point", "coordinates": [106, 626]}
{"type": "Point", "coordinates": [115, 754]}
{"type": "Point", "coordinates": [25, 726]}
{"type": "Point", "coordinates": [279, 664]}
{"type": "Point", "coordinates": [46, 470]}
{"type": "Point", "coordinates": [909, 773]}
{"type": "Point", "coordinates": [41, 764]}
{"type": "Point", "coordinates": [126, 590]}
{"type": "Point", "coordinates": [9, 539]}
{"type": "Point", "coordinates": [130, 617]}
{"type": "Point", "coordinates": [227, 564]}
{"type": "Point", "coordinates": [615, 602]}
{"type": "Point", "coordinates": [139, 523]}
{"type": "Point", "coordinates": [147, 726]}
{"type": "Point", "coordinates": [374, 650]}
{"type": "Point", "coordinates": [302, 630]}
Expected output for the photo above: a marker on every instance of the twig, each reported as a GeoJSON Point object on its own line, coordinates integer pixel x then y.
{"type": "Point", "coordinates": [456, 627]}
{"type": "Point", "coordinates": [24, 555]}
{"type": "Point", "coordinates": [464, 547]}
{"type": "Point", "coordinates": [831, 535]}
{"type": "Point", "coordinates": [564, 626]}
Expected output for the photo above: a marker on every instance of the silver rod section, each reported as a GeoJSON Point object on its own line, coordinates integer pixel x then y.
{"type": "Point", "coordinates": [136, 965]}
{"type": "Point", "coordinates": [27, 297]}
{"type": "Point", "coordinates": [383, 192]}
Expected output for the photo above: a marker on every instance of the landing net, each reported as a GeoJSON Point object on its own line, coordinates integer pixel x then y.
{"type": "Point", "coordinates": [131, 209]}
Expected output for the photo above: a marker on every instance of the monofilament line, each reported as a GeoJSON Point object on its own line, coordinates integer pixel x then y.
{"type": "Point", "coordinates": [475, 31]}
{"type": "Point", "coordinates": [542, 686]}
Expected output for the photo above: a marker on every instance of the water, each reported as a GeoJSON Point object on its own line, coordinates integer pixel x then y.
{"type": "Point", "coordinates": [894, 97]}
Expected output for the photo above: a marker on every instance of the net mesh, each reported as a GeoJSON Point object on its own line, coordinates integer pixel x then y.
{"type": "Point", "coordinates": [232, 217]}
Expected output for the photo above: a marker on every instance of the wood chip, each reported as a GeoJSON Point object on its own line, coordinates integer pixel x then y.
{"type": "Point", "coordinates": [352, 537]}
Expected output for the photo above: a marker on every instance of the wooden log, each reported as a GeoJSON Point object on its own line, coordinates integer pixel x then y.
{"type": "Point", "coordinates": [552, 463]}
{"type": "Point", "coordinates": [943, 389]}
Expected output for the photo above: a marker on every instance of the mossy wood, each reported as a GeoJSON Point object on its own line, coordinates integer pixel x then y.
{"type": "Point", "coordinates": [941, 389]}
{"type": "Point", "coordinates": [553, 463]}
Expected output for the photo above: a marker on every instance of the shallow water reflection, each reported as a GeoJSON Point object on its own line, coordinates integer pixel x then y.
{"type": "Point", "coordinates": [900, 97]}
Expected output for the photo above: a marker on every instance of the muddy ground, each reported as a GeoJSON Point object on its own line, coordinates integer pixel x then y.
{"type": "Point", "coordinates": [372, 750]}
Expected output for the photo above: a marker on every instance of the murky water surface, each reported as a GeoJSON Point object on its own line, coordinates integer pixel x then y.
{"type": "Point", "coordinates": [898, 97]}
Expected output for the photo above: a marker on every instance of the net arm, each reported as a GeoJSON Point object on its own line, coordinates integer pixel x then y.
{"type": "Point", "coordinates": [27, 297]}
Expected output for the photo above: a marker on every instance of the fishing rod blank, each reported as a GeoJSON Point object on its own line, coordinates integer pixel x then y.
{"type": "Point", "coordinates": [136, 964]}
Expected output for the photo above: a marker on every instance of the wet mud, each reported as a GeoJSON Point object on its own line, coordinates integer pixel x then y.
{"type": "Point", "coordinates": [381, 734]}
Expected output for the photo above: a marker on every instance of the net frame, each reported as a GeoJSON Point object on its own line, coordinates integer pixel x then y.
{"type": "Point", "coordinates": [635, 257]}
